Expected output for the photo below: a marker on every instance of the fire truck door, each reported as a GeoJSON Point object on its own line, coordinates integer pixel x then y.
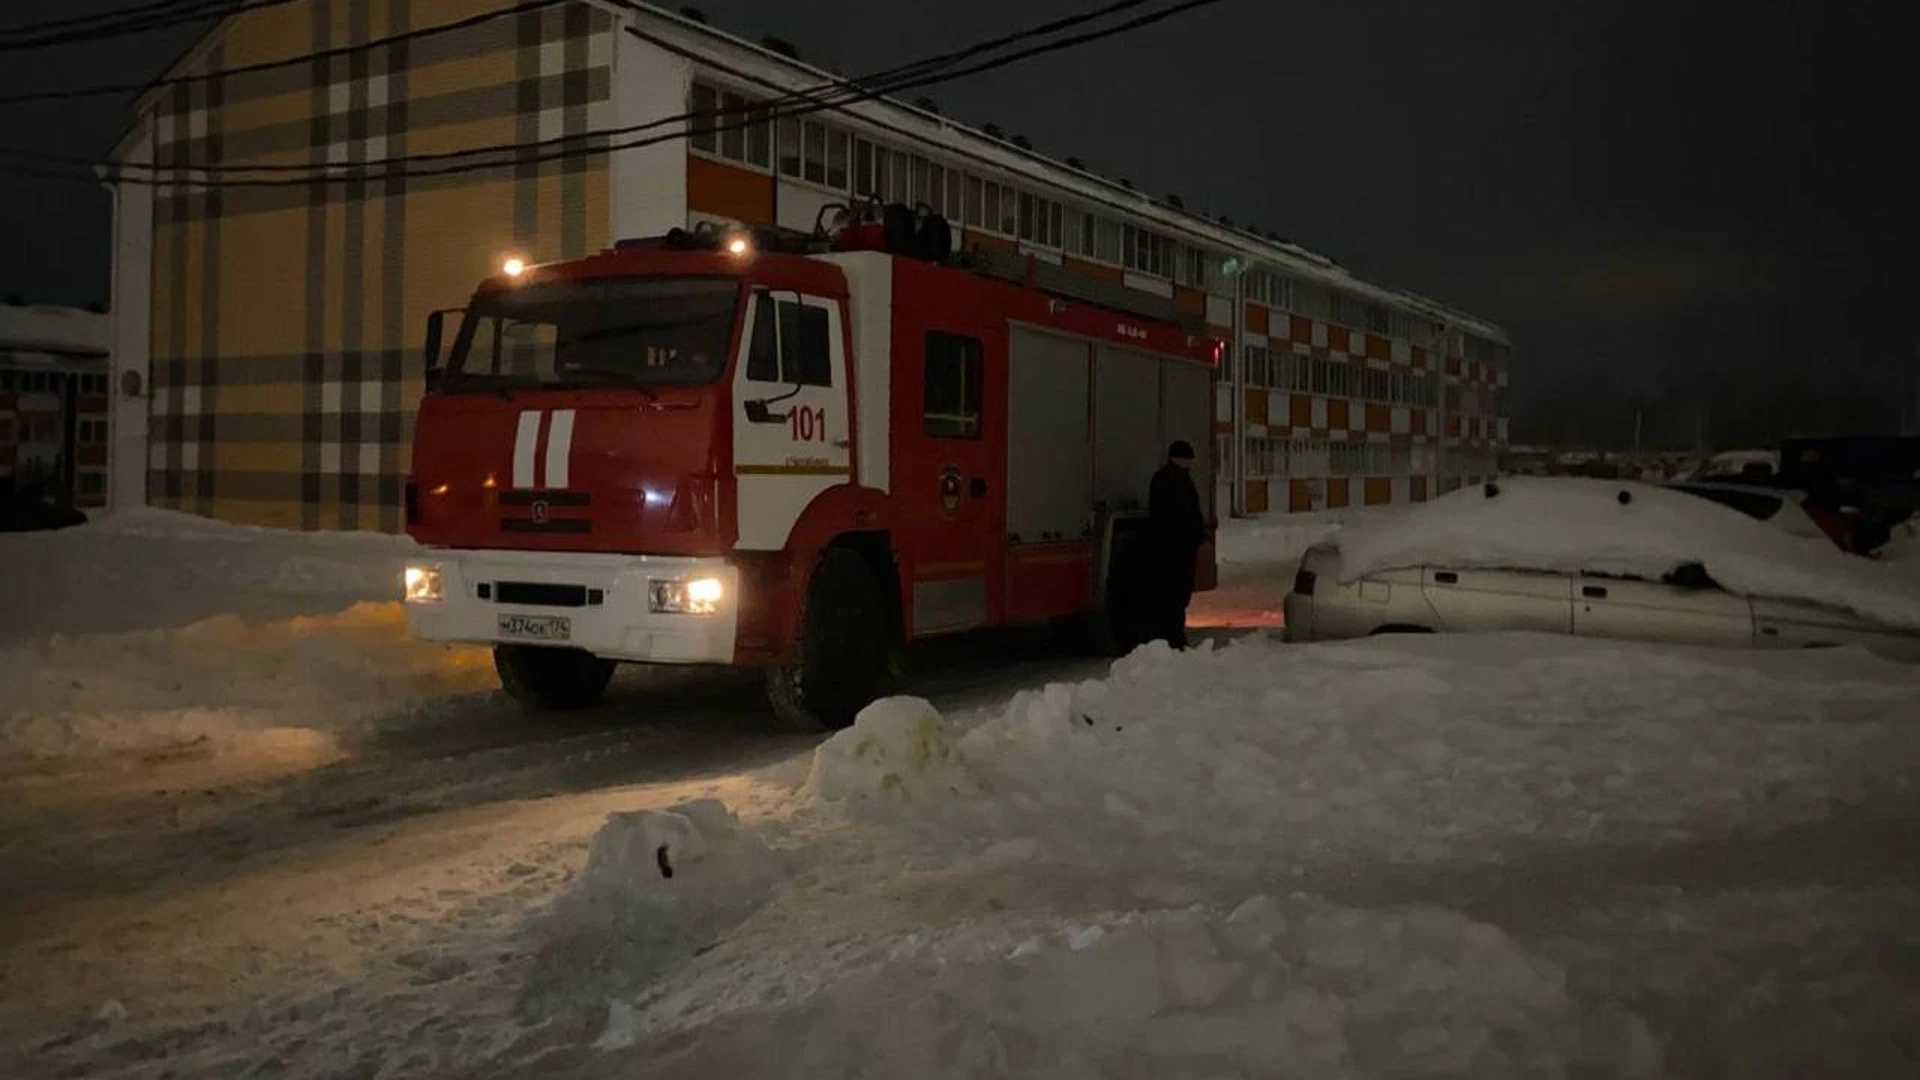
{"type": "Point", "coordinates": [791, 421]}
{"type": "Point", "coordinates": [947, 487]}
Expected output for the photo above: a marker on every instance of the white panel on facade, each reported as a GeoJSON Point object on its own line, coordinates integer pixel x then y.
{"type": "Point", "coordinates": [1128, 444]}
{"type": "Point", "coordinates": [1186, 413]}
{"type": "Point", "coordinates": [1220, 311]}
{"type": "Point", "coordinates": [1319, 412]}
{"type": "Point", "coordinates": [797, 206]}
{"type": "Point", "coordinates": [648, 183]}
{"type": "Point", "coordinates": [870, 298]}
{"type": "Point", "coordinates": [131, 336]}
{"type": "Point", "coordinates": [1148, 283]}
{"type": "Point", "coordinates": [1049, 457]}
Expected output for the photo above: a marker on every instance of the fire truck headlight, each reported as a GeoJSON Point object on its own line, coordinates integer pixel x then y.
{"type": "Point", "coordinates": [697, 596]}
{"type": "Point", "coordinates": [423, 585]}
{"type": "Point", "coordinates": [737, 245]}
{"type": "Point", "coordinates": [514, 267]}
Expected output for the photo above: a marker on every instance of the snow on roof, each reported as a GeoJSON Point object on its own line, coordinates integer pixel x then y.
{"type": "Point", "coordinates": [1572, 525]}
{"type": "Point", "coordinates": [49, 328]}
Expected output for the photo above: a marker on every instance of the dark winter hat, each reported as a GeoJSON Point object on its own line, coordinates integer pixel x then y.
{"type": "Point", "coordinates": [1181, 450]}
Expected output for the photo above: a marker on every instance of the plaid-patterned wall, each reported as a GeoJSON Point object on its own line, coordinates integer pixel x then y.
{"type": "Point", "coordinates": [287, 320]}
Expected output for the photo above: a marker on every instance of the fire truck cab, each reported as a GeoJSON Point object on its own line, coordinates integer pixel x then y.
{"type": "Point", "coordinates": [790, 452]}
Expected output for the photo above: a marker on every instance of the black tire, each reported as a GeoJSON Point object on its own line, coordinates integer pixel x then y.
{"type": "Point", "coordinates": [551, 680]}
{"type": "Point", "coordinates": [841, 657]}
{"type": "Point", "coordinates": [1399, 628]}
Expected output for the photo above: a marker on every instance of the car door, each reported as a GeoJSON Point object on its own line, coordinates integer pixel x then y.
{"type": "Point", "coordinates": [1494, 600]}
{"type": "Point", "coordinates": [1697, 613]}
{"type": "Point", "coordinates": [791, 421]}
{"type": "Point", "coordinates": [1802, 624]}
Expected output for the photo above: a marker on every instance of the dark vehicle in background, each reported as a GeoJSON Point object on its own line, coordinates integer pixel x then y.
{"type": "Point", "coordinates": [1794, 512]}
{"type": "Point", "coordinates": [1871, 481]}
{"type": "Point", "coordinates": [30, 508]}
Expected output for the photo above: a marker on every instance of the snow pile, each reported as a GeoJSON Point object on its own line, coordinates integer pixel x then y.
{"type": "Point", "coordinates": [1411, 751]}
{"type": "Point", "coordinates": [1199, 991]}
{"type": "Point", "coordinates": [220, 683]}
{"type": "Point", "coordinates": [1279, 541]}
{"type": "Point", "coordinates": [897, 747]}
{"type": "Point", "coordinates": [1624, 528]}
{"type": "Point", "coordinates": [155, 568]}
{"type": "Point", "coordinates": [658, 886]}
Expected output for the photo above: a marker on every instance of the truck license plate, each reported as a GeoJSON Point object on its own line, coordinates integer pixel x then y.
{"type": "Point", "coordinates": [536, 627]}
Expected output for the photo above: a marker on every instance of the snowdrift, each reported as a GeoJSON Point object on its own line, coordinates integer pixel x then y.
{"type": "Point", "coordinates": [1570, 525]}
{"type": "Point", "coordinates": [1093, 880]}
{"type": "Point", "coordinates": [220, 684]}
{"type": "Point", "coordinates": [147, 569]}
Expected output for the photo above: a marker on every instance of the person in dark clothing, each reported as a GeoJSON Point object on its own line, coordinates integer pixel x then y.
{"type": "Point", "coordinates": [1176, 529]}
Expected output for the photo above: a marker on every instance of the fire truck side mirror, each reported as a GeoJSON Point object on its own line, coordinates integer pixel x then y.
{"type": "Point", "coordinates": [436, 327]}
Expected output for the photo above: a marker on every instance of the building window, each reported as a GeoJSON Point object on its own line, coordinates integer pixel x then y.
{"type": "Point", "coordinates": [1348, 310]}
{"type": "Point", "coordinates": [813, 151]}
{"type": "Point", "coordinates": [1039, 220]}
{"type": "Point", "coordinates": [951, 397]}
{"type": "Point", "coordinates": [729, 125]}
{"type": "Point", "coordinates": [90, 483]}
{"type": "Point", "coordinates": [1109, 239]}
{"type": "Point", "coordinates": [1379, 320]}
{"type": "Point", "coordinates": [1192, 266]}
{"type": "Point", "coordinates": [1149, 252]}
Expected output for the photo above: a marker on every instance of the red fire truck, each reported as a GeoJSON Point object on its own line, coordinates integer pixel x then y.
{"type": "Point", "coordinates": [787, 451]}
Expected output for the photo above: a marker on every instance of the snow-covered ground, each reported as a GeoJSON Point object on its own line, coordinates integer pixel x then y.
{"type": "Point", "coordinates": [296, 844]}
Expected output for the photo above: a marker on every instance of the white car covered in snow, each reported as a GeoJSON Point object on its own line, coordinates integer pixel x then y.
{"type": "Point", "coordinates": [1602, 559]}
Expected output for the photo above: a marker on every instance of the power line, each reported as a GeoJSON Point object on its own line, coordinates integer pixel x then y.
{"type": "Point", "coordinates": [807, 102]}
{"type": "Point", "coordinates": [925, 65]}
{"type": "Point", "coordinates": [49, 25]}
{"type": "Point", "coordinates": [143, 20]}
{"type": "Point", "coordinates": [292, 61]}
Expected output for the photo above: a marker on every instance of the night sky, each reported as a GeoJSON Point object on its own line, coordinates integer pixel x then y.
{"type": "Point", "coordinates": [1674, 197]}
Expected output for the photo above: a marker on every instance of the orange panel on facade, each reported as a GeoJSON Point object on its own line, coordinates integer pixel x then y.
{"type": "Point", "coordinates": [1337, 409]}
{"type": "Point", "coordinates": [1419, 359]}
{"type": "Point", "coordinates": [1092, 269]}
{"type": "Point", "coordinates": [1377, 490]}
{"type": "Point", "coordinates": [1302, 414]}
{"type": "Point", "coordinates": [972, 240]}
{"type": "Point", "coordinates": [90, 455]}
{"type": "Point", "coordinates": [1337, 493]}
{"type": "Point", "coordinates": [728, 191]}
{"type": "Point", "coordinates": [1256, 318]}
{"type": "Point", "coordinates": [1453, 426]}
{"type": "Point", "coordinates": [1256, 496]}
{"type": "Point", "coordinates": [1190, 301]}
{"type": "Point", "coordinates": [1339, 339]}
{"type": "Point", "coordinates": [1379, 417]}
{"type": "Point", "coordinates": [1417, 489]}
{"type": "Point", "coordinates": [1302, 328]}
{"type": "Point", "coordinates": [1256, 404]}
{"type": "Point", "coordinates": [1379, 348]}
{"type": "Point", "coordinates": [1418, 422]}
{"type": "Point", "coordinates": [1453, 365]}
{"type": "Point", "coordinates": [1299, 495]}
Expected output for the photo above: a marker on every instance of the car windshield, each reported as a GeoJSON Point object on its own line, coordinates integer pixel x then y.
{"type": "Point", "coordinates": [650, 332]}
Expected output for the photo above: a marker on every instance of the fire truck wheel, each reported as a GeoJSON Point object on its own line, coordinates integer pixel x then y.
{"type": "Point", "coordinates": [841, 654]}
{"type": "Point", "coordinates": [551, 680]}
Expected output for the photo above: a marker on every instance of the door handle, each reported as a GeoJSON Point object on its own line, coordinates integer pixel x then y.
{"type": "Point", "coordinates": [1446, 577]}
{"type": "Point", "coordinates": [1595, 592]}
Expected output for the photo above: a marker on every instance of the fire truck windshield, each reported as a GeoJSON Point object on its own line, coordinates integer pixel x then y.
{"type": "Point", "coordinates": [628, 331]}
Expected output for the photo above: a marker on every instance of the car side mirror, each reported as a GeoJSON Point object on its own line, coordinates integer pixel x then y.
{"type": "Point", "coordinates": [436, 329]}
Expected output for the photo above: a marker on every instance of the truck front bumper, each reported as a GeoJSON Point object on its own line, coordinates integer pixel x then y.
{"type": "Point", "coordinates": [644, 608]}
